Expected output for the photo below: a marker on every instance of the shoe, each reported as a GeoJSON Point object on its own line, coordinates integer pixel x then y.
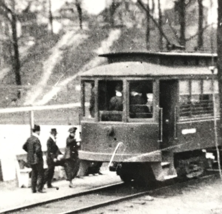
{"type": "Point", "coordinates": [50, 186]}
{"type": "Point", "coordinates": [41, 191]}
{"type": "Point", "coordinates": [34, 191]}
{"type": "Point", "coordinates": [100, 173]}
{"type": "Point", "coordinates": [71, 185]}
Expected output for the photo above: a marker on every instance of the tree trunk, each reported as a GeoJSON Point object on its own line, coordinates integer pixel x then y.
{"type": "Point", "coordinates": [79, 10]}
{"type": "Point", "coordinates": [161, 26]}
{"type": "Point", "coordinates": [219, 59]}
{"type": "Point", "coordinates": [16, 58]}
{"type": "Point", "coordinates": [200, 25]}
{"type": "Point", "coordinates": [16, 61]}
{"type": "Point", "coordinates": [182, 18]}
{"type": "Point", "coordinates": [153, 6]}
{"type": "Point", "coordinates": [112, 11]}
{"type": "Point", "coordinates": [50, 17]}
{"type": "Point", "coordinates": [148, 27]}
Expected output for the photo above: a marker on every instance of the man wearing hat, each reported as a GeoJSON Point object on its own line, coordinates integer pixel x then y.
{"type": "Point", "coordinates": [51, 157]}
{"type": "Point", "coordinates": [35, 159]}
{"type": "Point", "coordinates": [71, 156]}
{"type": "Point", "coordinates": [116, 102]}
{"type": "Point", "coordinates": [138, 100]}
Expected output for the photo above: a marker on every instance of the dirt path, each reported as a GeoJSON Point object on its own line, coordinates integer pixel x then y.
{"type": "Point", "coordinates": [70, 39]}
{"type": "Point", "coordinates": [104, 48]}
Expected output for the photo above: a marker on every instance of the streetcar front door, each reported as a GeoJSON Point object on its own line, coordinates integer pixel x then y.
{"type": "Point", "coordinates": [168, 99]}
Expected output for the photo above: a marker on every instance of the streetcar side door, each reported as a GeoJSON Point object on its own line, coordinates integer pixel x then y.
{"type": "Point", "coordinates": [168, 101]}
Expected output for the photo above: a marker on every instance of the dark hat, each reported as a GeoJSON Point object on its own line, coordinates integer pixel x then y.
{"type": "Point", "coordinates": [53, 131]}
{"type": "Point", "coordinates": [72, 130]}
{"type": "Point", "coordinates": [36, 128]}
{"type": "Point", "coordinates": [119, 87]}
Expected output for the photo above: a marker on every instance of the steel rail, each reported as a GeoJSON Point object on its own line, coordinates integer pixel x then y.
{"type": "Point", "coordinates": [33, 205]}
{"type": "Point", "coordinates": [104, 203]}
{"type": "Point", "coordinates": [128, 197]}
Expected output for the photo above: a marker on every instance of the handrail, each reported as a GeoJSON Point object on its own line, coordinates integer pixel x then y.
{"type": "Point", "coordinates": [114, 153]}
{"type": "Point", "coordinates": [175, 123]}
{"type": "Point", "coordinates": [161, 124]}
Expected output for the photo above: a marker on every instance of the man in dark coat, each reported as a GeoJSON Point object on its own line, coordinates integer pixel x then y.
{"type": "Point", "coordinates": [116, 102]}
{"type": "Point", "coordinates": [35, 159]}
{"type": "Point", "coordinates": [138, 107]}
{"type": "Point", "coordinates": [51, 158]}
{"type": "Point", "coordinates": [71, 157]}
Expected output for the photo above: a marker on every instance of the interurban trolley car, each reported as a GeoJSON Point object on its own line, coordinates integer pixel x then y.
{"type": "Point", "coordinates": [150, 114]}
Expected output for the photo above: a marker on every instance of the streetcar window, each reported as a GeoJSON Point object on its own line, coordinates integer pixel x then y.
{"type": "Point", "coordinates": [216, 92]}
{"type": "Point", "coordinates": [89, 99]}
{"type": "Point", "coordinates": [197, 101]}
{"type": "Point", "coordinates": [110, 100]}
{"type": "Point", "coordinates": [184, 91]}
{"type": "Point", "coordinates": [141, 99]}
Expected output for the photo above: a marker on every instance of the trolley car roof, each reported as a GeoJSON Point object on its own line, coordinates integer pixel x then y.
{"type": "Point", "coordinates": [123, 69]}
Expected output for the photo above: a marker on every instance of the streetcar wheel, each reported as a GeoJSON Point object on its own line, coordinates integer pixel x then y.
{"type": "Point", "coordinates": [94, 167]}
{"type": "Point", "coordinates": [145, 176]}
{"type": "Point", "coordinates": [139, 173]}
{"type": "Point", "coordinates": [126, 178]}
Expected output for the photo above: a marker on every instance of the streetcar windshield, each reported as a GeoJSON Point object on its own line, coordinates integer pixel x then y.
{"type": "Point", "coordinates": [110, 97]}
{"type": "Point", "coordinates": [141, 99]}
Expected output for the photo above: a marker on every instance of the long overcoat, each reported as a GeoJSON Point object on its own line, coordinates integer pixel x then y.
{"type": "Point", "coordinates": [34, 150]}
{"type": "Point", "coordinates": [71, 150]}
{"type": "Point", "coordinates": [52, 151]}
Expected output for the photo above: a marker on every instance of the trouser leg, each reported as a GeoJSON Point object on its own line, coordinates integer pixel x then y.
{"type": "Point", "coordinates": [40, 176]}
{"type": "Point", "coordinates": [68, 169]}
{"type": "Point", "coordinates": [34, 177]}
{"type": "Point", "coordinates": [49, 174]}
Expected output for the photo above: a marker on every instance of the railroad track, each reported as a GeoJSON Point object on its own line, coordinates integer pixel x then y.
{"type": "Point", "coordinates": [97, 198]}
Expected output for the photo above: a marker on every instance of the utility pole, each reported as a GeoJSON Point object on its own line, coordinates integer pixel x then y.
{"type": "Point", "coordinates": [219, 59]}
{"type": "Point", "coordinates": [219, 53]}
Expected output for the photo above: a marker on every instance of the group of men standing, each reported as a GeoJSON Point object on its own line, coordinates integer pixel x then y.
{"type": "Point", "coordinates": [54, 157]}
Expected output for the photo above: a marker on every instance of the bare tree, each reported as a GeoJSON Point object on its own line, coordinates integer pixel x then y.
{"type": "Point", "coordinates": [182, 20]}
{"type": "Point", "coordinates": [161, 26]}
{"type": "Point", "coordinates": [114, 5]}
{"type": "Point", "coordinates": [7, 9]}
{"type": "Point", "coordinates": [50, 16]}
{"type": "Point", "coordinates": [78, 4]}
{"type": "Point", "coordinates": [169, 45]}
{"type": "Point", "coordinates": [200, 25]}
{"type": "Point", "coordinates": [148, 26]}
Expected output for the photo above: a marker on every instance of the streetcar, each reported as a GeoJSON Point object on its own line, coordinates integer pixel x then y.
{"type": "Point", "coordinates": [151, 116]}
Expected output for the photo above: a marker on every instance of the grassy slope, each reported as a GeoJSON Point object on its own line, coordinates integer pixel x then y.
{"type": "Point", "coordinates": [73, 61]}
{"type": "Point", "coordinates": [132, 39]}
{"type": "Point", "coordinates": [31, 69]}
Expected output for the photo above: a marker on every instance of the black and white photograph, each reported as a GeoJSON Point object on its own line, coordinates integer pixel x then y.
{"type": "Point", "coordinates": [111, 106]}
